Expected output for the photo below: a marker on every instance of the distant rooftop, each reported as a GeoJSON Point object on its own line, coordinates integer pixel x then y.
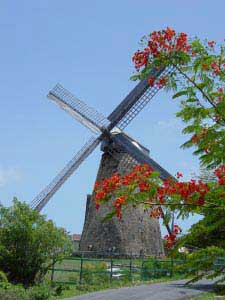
{"type": "Point", "coordinates": [76, 237]}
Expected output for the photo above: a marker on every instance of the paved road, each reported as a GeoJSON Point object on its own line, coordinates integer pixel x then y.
{"type": "Point", "coordinates": [173, 290]}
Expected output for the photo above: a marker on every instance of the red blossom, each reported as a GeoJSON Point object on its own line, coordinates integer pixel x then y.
{"type": "Point", "coordinates": [118, 204]}
{"type": "Point", "coordinates": [156, 212]}
{"type": "Point", "coordinates": [143, 186]}
{"type": "Point", "coordinates": [205, 67]}
{"type": "Point", "coordinates": [162, 82]}
{"type": "Point", "coordinates": [97, 185]}
{"type": "Point", "coordinates": [201, 201]}
{"type": "Point", "coordinates": [176, 229]}
{"type": "Point", "coordinates": [220, 174]}
{"type": "Point", "coordinates": [140, 58]}
{"type": "Point", "coordinates": [171, 238]}
{"type": "Point", "coordinates": [178, 175]}
{"type": "Point", "coordinates": [151, 81]}
{"type": "Point", "coordinates": [194, 139]}
{"type": "Point", "coordinates": [169, 34]}
{"type": "Point", "coordinates": [97, 205]}
{"type": "Point", "coordinates": [211, 43]}
{"type": "Point", "coordinates": [100, 195]}
{"type": "Point", "coordinates": [215, 68]}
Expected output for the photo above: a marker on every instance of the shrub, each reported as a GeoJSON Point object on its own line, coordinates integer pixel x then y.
{"type": "Point", "coordinates": [39, 293]}
{"type": "Point", "coordinates": [11, 292]}
{"type": "Point", "coordinates": [17, 292]}
{"type": "Point", "coordinates": [3, 277]}
{"type": "Point", "coordinates": [29, 244]}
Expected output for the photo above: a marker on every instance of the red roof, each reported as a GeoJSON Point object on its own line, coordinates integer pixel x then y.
{"type": "Point", "coordinates": [76, 237]}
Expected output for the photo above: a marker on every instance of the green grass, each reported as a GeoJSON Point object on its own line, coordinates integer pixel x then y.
{"type": "Point", "coordinates": [209, 296]}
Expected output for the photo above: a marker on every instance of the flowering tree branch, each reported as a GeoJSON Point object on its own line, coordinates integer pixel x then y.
{"type": "Point", "coordinates": [198, 74]}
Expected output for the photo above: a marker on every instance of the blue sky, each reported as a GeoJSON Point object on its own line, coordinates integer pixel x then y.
{"type": "Point", "coordinates": [87, 47]}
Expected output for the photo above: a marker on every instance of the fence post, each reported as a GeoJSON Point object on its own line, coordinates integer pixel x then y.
{"type": "Point", "coordinates": [81, 269]}
{"type": "Point", "coordinates": [154, 267]}
{"type": "Point", "coordinates": [111, 269]}
{"type": "Point", "coordinates": [206, 269]}
{"type": "Point", "coordinates": [131, 267]}
{"type": "Point", "coordinates": [197, 269]}
{"type": "Point", "coordinates": [142, 266]}
{"type": "Point", "coordinates": [171, 266]}
{"type": "Point", "coordinates": [52, 273]}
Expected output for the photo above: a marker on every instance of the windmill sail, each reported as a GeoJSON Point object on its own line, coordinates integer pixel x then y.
{"type": "Point", "coordinates": [86, 115]}
{"type": "Point", "coordinates": [41, 200]}
{"type": "Point", "coordinates": [136, 100]}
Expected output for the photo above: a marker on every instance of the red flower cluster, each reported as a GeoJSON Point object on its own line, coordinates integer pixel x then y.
{"type": "Point", "coordinates": [194, 139]}
{"type": "Point", "coordinates": [179, 175]}
{"type": "Point", "coordinates": [215, 68]}
{"type": "Point", "coordinates": [171, 238]}
{"type": "Point", "coordinates": [151, 81]}
{"type": "Point", "coordinates": [211, 43]}
{"type": "Point", "coordinates": [140, 58]}
{"type": "Point", "coordinates": [143, 186]}
{"type": "Point", "coordinates": [156, 212]}
{"type": "Point", "coordinates": [118, 205]}
{"type": "Point", "coordinates": [138, 174]}
{"type": "Point", "coordinates": [188, 191]}
{"type": "Point", "coordinates": [191, 192]}
{"type": "Point", "coordinates": [161, 42]}
{"type": "Point", "coordinates": [160, 83]}
{"type": "Point", "coordinates": [205, 67]}
{"type": "Point", "coordinates": [108, 185]}
{"type": "Point", "coordinates": [220, 174]}
{"type": "Point", "coordinates": [181, 43]}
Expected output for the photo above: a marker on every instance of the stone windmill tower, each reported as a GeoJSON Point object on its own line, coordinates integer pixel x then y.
{"type": "Point", "coordinates": [136, 233]}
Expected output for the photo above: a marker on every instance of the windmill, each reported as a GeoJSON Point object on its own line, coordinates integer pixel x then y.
{"type": "Point", "coordinates": [120, 152]}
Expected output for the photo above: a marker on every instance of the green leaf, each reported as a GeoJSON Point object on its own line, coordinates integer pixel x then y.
{"type": "Point", "coordinates": [181, 93]}
{"type": "Point", "coordinates": [135, 77]}
{"type": "Point", "coordinates": [192, 100]}
{"type": "Point", "coordinates": [201, 85]}
{"type": "Point", "coordinates": [109, 216]}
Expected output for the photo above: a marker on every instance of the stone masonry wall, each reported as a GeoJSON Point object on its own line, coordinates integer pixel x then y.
{"type": "Point", "coordinates": [135, 233]}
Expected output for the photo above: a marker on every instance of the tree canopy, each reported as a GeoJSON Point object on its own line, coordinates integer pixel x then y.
{"type": "Point", "coordinates": [29, 243]}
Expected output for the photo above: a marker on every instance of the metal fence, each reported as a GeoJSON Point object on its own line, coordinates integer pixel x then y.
{"type": "Point", "coordinates": [89, 270]}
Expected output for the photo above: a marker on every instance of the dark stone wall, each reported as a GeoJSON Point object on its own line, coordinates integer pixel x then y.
{"type": "Point", "coordinates": [135, 233]}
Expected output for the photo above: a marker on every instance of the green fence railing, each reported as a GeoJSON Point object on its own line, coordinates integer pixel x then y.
{"type": "Point", "coordinates": [88, 270]}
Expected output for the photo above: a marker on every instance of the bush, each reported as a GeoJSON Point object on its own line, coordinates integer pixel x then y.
{"type": "Point", "coordinates": [17, 292]}
{"type": "Point", "coordinates": [3, 277]}
{"type": "Point", "coordinates": [155, 269]}
{"type": "Point", "coordinates": [11, 292]}
{"type": "Point", "coordinates": [29, 244]}
{"type": "Point", "coordinates": [59, 288]}
{"type": "Point", "coordinates": [39, 293]}
{"type": "Point", "coordinates": [202, 263]}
